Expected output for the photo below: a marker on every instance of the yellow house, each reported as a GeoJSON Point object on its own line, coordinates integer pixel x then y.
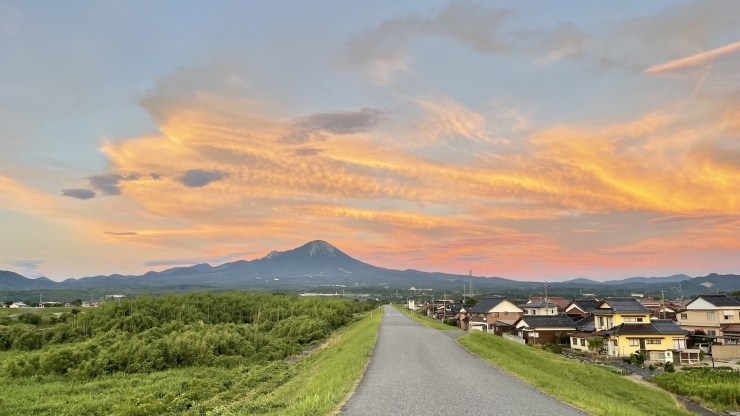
{"type": "Point", "coordinates": [625, 326]}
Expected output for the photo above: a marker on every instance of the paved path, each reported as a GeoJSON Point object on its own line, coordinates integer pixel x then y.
{"type": "Point", "coordinates": [417, 370]}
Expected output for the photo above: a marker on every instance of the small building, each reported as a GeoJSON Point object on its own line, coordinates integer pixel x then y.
{"type": "Point", "coordinates": [489, 310]}
{"type": "Point", "coordinates": [540, 307]}
{"type": "Point", "coordinates": [710, 314]}
{"type": "Point", "coordinates": [561, 302]}
{"type": "Point", "coordinates": [544, 329]}
{"type": "Point", "coordinates": [579, 341]}
{"type": "Point", "coordinates": [659, 335]}
{"type": "Point", "coordinates": [18, 305]}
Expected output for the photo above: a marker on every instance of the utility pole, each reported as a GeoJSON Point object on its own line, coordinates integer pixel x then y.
{"type": "Point", "coordinates": [662, 302]}
{"type": "Point", "coordinates": [444, 307]}
{"type": "Point", "coordinates": [547, 309]}
{"type": "Point", "coordinates": [470, 277]}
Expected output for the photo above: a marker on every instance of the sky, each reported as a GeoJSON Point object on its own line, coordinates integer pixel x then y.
{"type": "Point", "coordinates": [530, 141]}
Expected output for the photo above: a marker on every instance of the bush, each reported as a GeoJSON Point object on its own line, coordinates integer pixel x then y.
{"type": "Point", "coordinates": [553, 348]}
{"type": "Point", "coordinates": [669, 368]}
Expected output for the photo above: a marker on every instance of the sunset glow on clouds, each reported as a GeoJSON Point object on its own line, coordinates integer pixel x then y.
{"type": "Point", "coordinates": [550, 144]}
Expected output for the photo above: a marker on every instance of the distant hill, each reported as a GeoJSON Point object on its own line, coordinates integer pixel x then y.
{"type": "Point", "coordinates": [667, 279]}
{"type": "Point", "coordinates": [314, 263]}
{"type": "Point", "coordinates": [318, 263]}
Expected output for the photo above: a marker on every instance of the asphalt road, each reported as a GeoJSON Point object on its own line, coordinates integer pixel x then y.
{"type": "Point", "coordinates": [417, 370]}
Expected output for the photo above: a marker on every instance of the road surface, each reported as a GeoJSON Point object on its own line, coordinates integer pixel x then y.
{"type": "Point", "coordinates": [417, 370]}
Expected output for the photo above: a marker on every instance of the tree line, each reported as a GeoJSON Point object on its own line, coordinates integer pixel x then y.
{"type": "Point", "coordinates": [148, 333]}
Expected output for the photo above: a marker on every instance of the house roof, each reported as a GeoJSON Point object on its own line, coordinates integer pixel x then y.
{"type": "Point", "coordinates": [585, 304]}
{"type": "Point", "coordinates": [582, 334]}
{"type": "Point", "coordinates": [585, 324]}
{"type": "Point", "coordinates": [505, 322]}
{"type": "Point", "coordinates": [720, 300]}
{"type": "Point", "coordinates": [540, 304]}
{"type": "Point", "coordinates": [559, 301]}
{"type": "Point", "coordinates": [554, 321]}
{"type": "Point", "coordinates": [623, 305]}
{"type": "Point", "coordinates": [655, 327]}
{"type": "Point", "coordinates": [485, 305]}
{"type": "Point", "coordinates": [732, 328]}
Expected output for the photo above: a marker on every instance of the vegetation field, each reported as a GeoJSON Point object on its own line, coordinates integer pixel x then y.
{"type": "Point", "coordinates": [40, 311]}
{"type": "Point", "coordinates": [422, 319]}
{"type": "Point", "coordinates": [717, 390]}
{"type": "Point", "coordinates": [592, 388]}
{"type": "Point", "coordinates": [198, 353]}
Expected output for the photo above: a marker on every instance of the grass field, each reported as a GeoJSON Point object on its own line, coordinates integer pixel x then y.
{"type": "Point", "coordinates": [431, 323]}
{"type": "Point", "coordinates": [717, 390]}
{"type": "Point", "coordinates": [314, 385]}
{"type": "Point", "coordinates": [40, 311]}
{"type": "Point", "coordinates": [596, 390]}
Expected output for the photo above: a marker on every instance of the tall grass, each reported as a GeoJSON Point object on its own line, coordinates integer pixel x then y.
{"type": "Point", "coordinates": [314, 385]}
{"type": "Point", "coordinates": [717, 390]}
{"type": "Point", "coordinates": [596, 390]}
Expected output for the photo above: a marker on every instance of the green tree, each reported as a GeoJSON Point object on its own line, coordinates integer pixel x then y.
{"type": "Point", "coordinates": [595, 343]}
{"type": "Point", "coordinates": [471, 301]}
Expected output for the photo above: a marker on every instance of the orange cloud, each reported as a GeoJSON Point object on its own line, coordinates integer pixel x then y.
{"type": "Point", "coordinates": [693, 60]}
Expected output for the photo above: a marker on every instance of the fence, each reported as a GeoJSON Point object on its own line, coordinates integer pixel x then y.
{"type": "Point", "coordinates": [512, 337]}
{"type": "Point", "coordinates": [725, 352]}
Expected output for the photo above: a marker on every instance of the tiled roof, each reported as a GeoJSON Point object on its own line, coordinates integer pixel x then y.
{"type": "Point", "coordinates": [555, 321]}
{"type": "Point", "coordinates": [585, 323]}
{"type": "Point", "coordinates": [721, 300]}
{"type": "Point", "coordinates": [586, 304]}
{"type": "Point", "coordinates": [486, 305]}
{"type": "Point", "coordinates": [731, 328]}
{"type": "Point", "coordinates": [656, 326]}
{"type": "Point", "coordinates": [582, 334]}
{"type": "Point", "coordinates": [625, 305]}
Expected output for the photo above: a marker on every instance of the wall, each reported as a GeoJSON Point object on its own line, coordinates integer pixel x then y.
{"type": "Point", "coordinates": [725, 352]}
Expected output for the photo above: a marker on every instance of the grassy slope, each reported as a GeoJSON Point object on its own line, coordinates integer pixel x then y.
{"type": "Point", "coordinates": [591, 388]}
{"type": "Point", "coordinates": [431, 323]}
{"type": "Point", "coordinates": [717, 390]}
{"type": "Point", "coordinates": [315, 385]}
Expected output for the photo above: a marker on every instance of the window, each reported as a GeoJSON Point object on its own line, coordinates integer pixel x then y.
{"type": "Point", "coordinates": [534, 312]}
{"type": "Point", "coordinates": [710, 316]}
{"type": "Point", "coordinates": [712, 333]}
{"type": "Point", "coordinates": [574, 341]}
{"type": "Point", "coordinates": [634, 342]}
{"type": "Point", "coordinates": [684, 316]}
{"type": "Point", "coordinates": [653, 341]}
{"type": "Point", "coordinates": [632, 319]}
{"type": "Point", "coordinates": [583, 342]}
{"type": "Point", "coordinates": [526, 312]}
{"type": "Point", "coordinates": [639, 319]}
{"type": "Point", "coordinates": [728, 317]}
{"type": "Point", "coordinates": [615, 342]}
{"type": "Point", "coordinates": [601, 321]}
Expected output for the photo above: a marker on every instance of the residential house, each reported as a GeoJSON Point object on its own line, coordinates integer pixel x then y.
{"type": "Point", "coordinates": [660, 309]}
{"type": "Point", "coordinates": [732, 334]}
{"type": "Point", "coordinates": [544, 329]}
{"type": "Point", "coordinates": [540, 307]}
{"type": "Point", "coordinates": [561, 302]}
{"type": "Point", "coordinates": [483, 315]}
{"type": "Point", "coordinates": [626, 327]}
{"type": "Point", "coordinates": [579, 340]}
{"type": "Point", "coordinates": [581, 307]}
{"type": "Point", "coordinates": [504, 326]}
{"type": "Point", "coordinates": [18, 305]}
{"type": "Point", "coordinates": [660, 339]}
{"type": "Point", "coordinates": [710, 314]}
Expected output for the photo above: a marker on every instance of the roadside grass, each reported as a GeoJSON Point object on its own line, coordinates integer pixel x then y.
{"type": "Point", "coordinates": [323, 381]}
{"type": "Point", "coordinates": [314, 385]}
{"type": "Point", "coordinates": [424, 320]}
{"type": "Point", "coordinates": [716, 390]}
{"type": "Point", "coordinates": [591, 388]}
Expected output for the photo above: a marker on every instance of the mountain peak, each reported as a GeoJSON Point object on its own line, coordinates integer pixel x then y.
{"type": "Point", "coordinates": [319, 247]}
{"type": "Point", "coordinates": [272, 255]}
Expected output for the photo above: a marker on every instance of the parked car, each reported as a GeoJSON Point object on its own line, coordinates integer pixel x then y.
{"type": "Point", "coordinates": [707, 348]}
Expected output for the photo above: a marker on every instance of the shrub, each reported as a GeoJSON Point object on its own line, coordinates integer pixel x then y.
{"type": "Point", "coordinates": [669, 368]}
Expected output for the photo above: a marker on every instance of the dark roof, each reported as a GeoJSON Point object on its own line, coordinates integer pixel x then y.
{"type": "Point", "coordinates": [585, 324]}
{"type": "Point", "coordinates": [485, 305]}
{"type": "Point", "coordinates": [586, 304]}
{"type": "Point", "coordinates": [554, 321]}
{"type": "Point", "coordinates": [720, 300]}
{"type": "Point", "coordinates": [656, 326]}
{"type": "Point", "coordinates": [624, 305]}
{"type": "Point", "coordinates": [732, 328]}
